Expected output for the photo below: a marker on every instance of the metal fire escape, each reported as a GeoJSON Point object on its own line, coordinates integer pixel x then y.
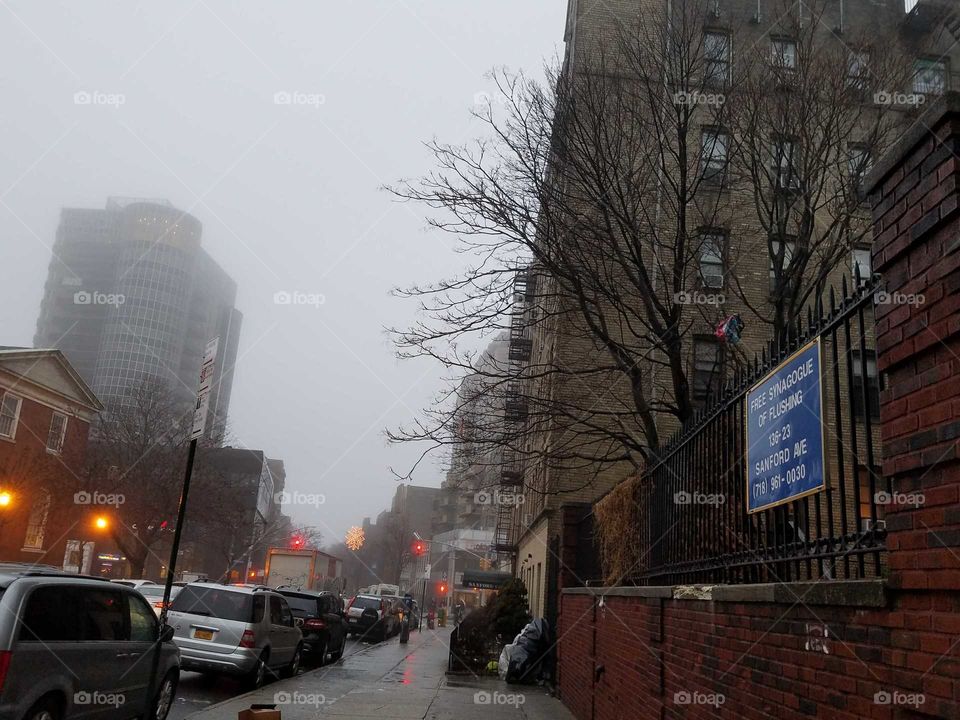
{"type": "Point", "coordinates": [515, 410]}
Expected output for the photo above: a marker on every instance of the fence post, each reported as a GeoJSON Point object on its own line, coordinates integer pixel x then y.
{"type": "Point", "coordinates": [914, 196]}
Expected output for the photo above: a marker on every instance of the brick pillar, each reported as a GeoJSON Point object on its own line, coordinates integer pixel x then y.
{"type": "Point", "coordinates": [914, 196]}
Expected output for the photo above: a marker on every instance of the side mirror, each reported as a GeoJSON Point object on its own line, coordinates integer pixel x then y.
{"type": "Point", "coordinates": [166, 633]}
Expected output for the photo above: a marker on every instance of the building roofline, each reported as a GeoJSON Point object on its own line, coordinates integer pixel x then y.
{"type": "Point", "coordinates": [89, 399]}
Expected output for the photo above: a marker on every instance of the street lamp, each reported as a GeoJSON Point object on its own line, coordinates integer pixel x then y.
{"type": "Point", "coordinates": [5, 499]}
{"type": "Point", "coordinates": [101, 522]}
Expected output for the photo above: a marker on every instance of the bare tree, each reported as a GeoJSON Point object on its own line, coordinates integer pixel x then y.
{"type": "Point", "coordinates": [137, 454]}
{"type": "Point", "coordinates": [593, 182]}
{"type": "Point", "coordinates": [603, 189]}
{"type": "Point", "coordinates": [806, 123]}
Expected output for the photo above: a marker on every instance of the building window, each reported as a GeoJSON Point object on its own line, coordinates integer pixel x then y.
{"type": "Point", "coordinates": [9, 414]}
{"type": "Point", "coordinates": [784, 166]}
{"type": "Point", "coordinates": [929, 76]}
{"type": "Point", "coordinates": [707, 368]}
{"type": "Point", "coordinates": [859, 162]}
{"type": "Point", "coordinates": [716, 51]}
{"type": "Point", "coordinates": [783, 54]}
{"type": "Point", "coordinates": [37, 523]}
{"type": "Point", "coordinates": [713, 154]}
{"type": "Point", "coordinates": [58, 430]}
{"type": "Point", "coordinates": [873, 384]}
{"type": "Point", "coordinates": [860, 265]}
{"type": "Point", "coordinates": [868, 500]}
{"type": "Point", "coordinates": [712, 246]}
{"type": "Point", "coordinates": [788, 249]}
{"type": "Point", "coordinates": [858, 73]}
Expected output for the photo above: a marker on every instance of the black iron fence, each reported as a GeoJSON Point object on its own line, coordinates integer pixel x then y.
{"type": "Point", "coordinates": [694, 525]}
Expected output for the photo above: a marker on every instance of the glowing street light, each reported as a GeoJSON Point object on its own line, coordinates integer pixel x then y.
{"type": "Point", "coordinates": [101, 522]}
{"type": "Point", "coordinates": [5, 499]}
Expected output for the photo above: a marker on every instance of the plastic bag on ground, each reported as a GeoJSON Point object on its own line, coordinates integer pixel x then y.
{"type": "Point", "coordinates": [504, 664]}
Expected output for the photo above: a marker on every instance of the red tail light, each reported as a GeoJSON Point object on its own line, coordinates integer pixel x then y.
{"type": "Point", "coordinates": [315, 624]}
{"type": "Point", "coordinates": [5, 657]}
{"type": "Point", "coordinates": [247, 641]}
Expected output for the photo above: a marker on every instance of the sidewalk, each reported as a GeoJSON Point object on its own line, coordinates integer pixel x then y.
{"type": "Point", "coordinates": [389, 681]}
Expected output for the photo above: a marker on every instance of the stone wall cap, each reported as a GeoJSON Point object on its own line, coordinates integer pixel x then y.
{"type": "Point", "coordinates": [651, 591]}
{"type": "Point", "coordinates": [850, 593]}
{"type": "Point", "coordinates": [948, 104]}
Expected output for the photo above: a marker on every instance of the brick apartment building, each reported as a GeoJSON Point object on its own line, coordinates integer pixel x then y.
{"type": "Point", "coordinates": [885, 647]}
{"type": "Point", "coordinates": [45, 413]}
{"type": "Point", "coordinates": [733, 259]}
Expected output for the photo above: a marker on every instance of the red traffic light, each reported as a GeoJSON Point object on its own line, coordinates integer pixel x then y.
{"type": "Point", "coordinates": [443, 588]}
{"type": "Point", "coordinates": [296, 542]}
{"type": "Point", "coordinates": [419, 548]}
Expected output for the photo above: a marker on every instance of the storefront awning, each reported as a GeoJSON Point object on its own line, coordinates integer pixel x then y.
{"type": "Point", "coordinates": [484, 579]}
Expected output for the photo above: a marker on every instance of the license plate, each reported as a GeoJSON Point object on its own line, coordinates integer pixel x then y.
{"type": "Point", "coordinates": [203, 634]}
{"type": "Point", "coordinates": [353, 620]}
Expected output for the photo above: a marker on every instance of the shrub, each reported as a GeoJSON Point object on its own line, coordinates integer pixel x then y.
{"type": "Point", "coordinates": [508, 610]}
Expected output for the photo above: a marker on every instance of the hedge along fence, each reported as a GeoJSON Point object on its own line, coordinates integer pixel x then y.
{"type": "Point", "coordinates": [622, 531]}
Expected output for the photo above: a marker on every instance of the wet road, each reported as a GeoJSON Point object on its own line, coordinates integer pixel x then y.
{"type": "Point", "coordinates": [197, 692]}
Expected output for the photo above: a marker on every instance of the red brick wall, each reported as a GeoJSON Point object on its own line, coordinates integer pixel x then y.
{"type": "Point", "coordinates": [766, 659]}
{"type": "Point", "coordinates": [26, 466]}
{"type": "Point", "coordinates": [791, 656]}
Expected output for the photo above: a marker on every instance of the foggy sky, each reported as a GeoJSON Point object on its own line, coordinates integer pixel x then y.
{"type": "Point", "coordinates": [287, 193]}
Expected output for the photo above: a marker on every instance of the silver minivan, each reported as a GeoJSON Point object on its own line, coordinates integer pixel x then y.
{"type": "Point", "coordinates": [237, 630]}
{"type": "Point", "coordinates": [75, 647]}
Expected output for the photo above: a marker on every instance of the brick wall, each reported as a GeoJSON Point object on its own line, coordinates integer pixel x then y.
{"type": "Point", "coordinates": [26, 468]}
{"type": "Point", "coordinates": [885, 648]}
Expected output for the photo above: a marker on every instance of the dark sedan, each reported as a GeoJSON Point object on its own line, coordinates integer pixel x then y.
{"type": "Point", "coordinates": [320, 618]}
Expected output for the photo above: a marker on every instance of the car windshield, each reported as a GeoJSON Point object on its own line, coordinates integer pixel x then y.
{"type": "Point", "coordinates": [214, 602]}
{"type": "Point", "coordinates": [367, 602]}
{"type": "Point", "coordinates": [302, 606]}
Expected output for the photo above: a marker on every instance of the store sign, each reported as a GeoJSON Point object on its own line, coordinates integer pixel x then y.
{"type": "Point", "coordinates": [785, 432]}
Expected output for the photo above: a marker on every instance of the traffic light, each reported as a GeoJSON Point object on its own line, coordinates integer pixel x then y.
{"type": "Point", "coordinates": [443, 588]}
{"type": "Point", "coordinates": [296, 542]}
{"type": "Point", "coordinates": [419, 548]}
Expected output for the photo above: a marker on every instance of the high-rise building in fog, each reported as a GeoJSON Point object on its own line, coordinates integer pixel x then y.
{"type": "Point", "coordinates": [132, 297]}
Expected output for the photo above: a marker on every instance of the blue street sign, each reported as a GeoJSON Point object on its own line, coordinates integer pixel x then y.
{"type": "Point", "coordinates": [785, 432]}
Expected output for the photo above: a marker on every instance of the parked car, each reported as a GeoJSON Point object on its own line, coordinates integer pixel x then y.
{"type": "Point", "coordinates": [73, 646]}
{"type": "Point", "coordinates": [235, 630]}
{"type": "Point", "coordinates": [373, 617]}
{"type": "Point", "coordinates": [320, 617]}
{"type": "Point", "coordinates": [133, 583]}
{"type": "Point", "coordinates": [154, 595]}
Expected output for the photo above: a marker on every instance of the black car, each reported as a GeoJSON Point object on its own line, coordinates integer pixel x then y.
{"type": "Point", "coordinates": [319, 615]}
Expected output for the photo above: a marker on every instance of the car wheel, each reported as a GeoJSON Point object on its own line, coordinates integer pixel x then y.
{"type": "Point", "coordinates": [165, 696]}
{"type": "Point", "coordinates": [293, 668]}
{"type": "Point", "coordinates": [46, 708]}
{"type": "Point", "coordinates": [337, 654]}
{"type": "Point", "coordinates": [259, 673]}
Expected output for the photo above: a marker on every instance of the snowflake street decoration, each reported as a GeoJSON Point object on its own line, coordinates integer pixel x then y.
{"type": "Point", "coordinates": [355, 538]}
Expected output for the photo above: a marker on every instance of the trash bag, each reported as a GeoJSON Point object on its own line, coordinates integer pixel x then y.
{"type": "Point", "coordinates": [504, 663]}
{"type": "Point", "coordinates": [527, 653]}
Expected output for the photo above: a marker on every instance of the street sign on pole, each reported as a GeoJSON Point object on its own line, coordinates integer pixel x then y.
{"type": "Point", "coordinates": [199, 420]}
{"type": "Point", "coordinates": [785, 432]}
{"type": "Point", "coordinates": [203, 391]}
